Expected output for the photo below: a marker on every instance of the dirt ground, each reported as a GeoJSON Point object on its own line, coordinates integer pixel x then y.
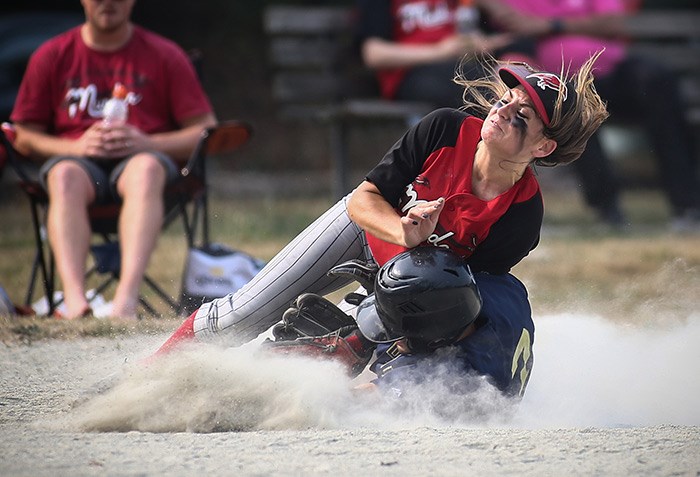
{"type": "Point", "coordinates": [604, 399]}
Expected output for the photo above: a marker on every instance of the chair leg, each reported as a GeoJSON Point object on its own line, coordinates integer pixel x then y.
{"type": "Point", "coordinates": [147, 306]}
{"type": "Point", "coordinates": [43, 262]}
{"type": "Point", "coordinates": [160, 292]}
{"type": "Point", "coordinates": [29, 296]}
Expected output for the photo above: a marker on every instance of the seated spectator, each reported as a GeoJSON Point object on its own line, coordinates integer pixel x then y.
{"type": "Point", "coordinates": [634, 87]}
{"type": "Point", "coordinates": [59, 119]}
{"type": "Point", "coordinates": [416, 45]}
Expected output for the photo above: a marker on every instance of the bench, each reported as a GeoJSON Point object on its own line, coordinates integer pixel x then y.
{"type": "Point", "coordinates": [673, 38]}
{"type": "Point", "coordinates": [317, 76]}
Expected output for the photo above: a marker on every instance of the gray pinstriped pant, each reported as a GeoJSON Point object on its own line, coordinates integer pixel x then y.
{"type": "Point", "coordinates": [300, 267]}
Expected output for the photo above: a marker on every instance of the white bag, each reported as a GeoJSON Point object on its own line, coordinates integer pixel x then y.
{"type": "Point", "coordinates": [215, 271]}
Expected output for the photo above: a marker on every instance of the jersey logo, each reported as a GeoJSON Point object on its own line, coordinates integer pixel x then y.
{"type": "Point", "coordinates": [86, 99]}
{"type": "Point", "coordinates": [551, 81]}
{"type": "Point", "coordinates": [415, 16]}
{"type": "Point", "coordinates": [422, 180]}
{"type": "Point", "coordinates": [438, 239]}
{"type": "Point", "coordinates": [413, 199]}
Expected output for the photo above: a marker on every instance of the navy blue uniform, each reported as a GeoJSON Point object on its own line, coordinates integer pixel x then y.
{"type": "Point", "coordinates": [500, 349]}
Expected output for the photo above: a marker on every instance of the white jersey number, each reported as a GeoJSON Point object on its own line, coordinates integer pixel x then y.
{"type": "Point", "coordinates": [521, 356]}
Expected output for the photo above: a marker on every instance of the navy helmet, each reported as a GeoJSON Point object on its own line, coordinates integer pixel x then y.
{"type": "Point", "coordinates": [427, 295]}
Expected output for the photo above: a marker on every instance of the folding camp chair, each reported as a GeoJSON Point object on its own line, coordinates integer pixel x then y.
{"type": "Point", "coordinates": [186, 199]}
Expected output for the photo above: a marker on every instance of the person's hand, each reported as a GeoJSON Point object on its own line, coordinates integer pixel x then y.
{"type": "Point", "coordinates": [491, 43]}
{"type": "Point", "coordinates": [106, 143]}
{"type": "Point", "coordinates": [91, 143]}
{"type": "Point", "coordinates": [365, 387]}
{"type": "Point", "coordinates": [420, 221]}
{"type": "Point", "coordinates": [523, 25]}
{"type": "Point", "coordinates": [121, 141]}
{"type": "Point", "coordinates": [454, 46]}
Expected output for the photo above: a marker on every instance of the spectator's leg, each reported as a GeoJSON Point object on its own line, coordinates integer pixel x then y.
{"type": "Point", "coordinates": [598, 182]}
{"type": "Point", "coordinates": [664, 118]}
{"type": "Point", "coordinates": [70, 190]}
{"type": "Point", "coordinates": [140, 185]}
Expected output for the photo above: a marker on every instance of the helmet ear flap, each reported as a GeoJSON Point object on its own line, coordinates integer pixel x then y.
{"type": "Point", "coordinates": [420, 346]}
{"type": "Point", "coordinates": [417, 345]}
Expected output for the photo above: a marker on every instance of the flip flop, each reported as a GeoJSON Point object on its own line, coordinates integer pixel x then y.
{"type": "Point", "coordinates": [58, 315]}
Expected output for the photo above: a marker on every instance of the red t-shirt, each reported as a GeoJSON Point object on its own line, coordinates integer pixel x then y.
{"type": "Point", "coordinates": [66, 84]}
{"type": "Point", "coordinates": [434, 159]}
{"type": "Point", "coordinates": [408, 22]}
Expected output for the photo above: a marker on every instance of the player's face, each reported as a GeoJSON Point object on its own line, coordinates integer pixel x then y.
{"type": "Point", "coordinates": [512, 125]}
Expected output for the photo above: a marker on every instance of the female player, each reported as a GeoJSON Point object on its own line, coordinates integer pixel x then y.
{"type": "Point", "coordinates": [453, 180]}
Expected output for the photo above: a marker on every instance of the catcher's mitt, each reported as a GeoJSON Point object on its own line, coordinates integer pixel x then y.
{"type": "Point", "coordinates": [349, 350]}
{"type": "Point", "coordinates": [313, 326]}
{"type": "Point", "coordinates": [312, 315]}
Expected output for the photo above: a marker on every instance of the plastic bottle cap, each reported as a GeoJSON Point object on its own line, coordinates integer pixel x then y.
{"type": "Point", "coordinates": [119, 91]}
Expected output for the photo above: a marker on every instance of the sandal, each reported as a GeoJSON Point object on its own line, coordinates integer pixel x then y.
{"type": "Point", "coordinates": [58, 315]}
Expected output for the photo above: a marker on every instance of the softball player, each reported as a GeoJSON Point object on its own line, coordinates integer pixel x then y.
{"type": "Point", "coordinates": [453, 180]}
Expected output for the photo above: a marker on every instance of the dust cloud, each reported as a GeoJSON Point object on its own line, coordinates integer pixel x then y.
{"type": "Point", "coordinates": [588, 372]}
{"type": "Point", "coordinates": [592, 372]}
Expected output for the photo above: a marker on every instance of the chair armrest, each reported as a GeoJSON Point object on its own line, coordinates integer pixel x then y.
{"type": "Point", "coordinates": [8, 135]}
{"type": "Point", "coordinates": [227, 136]}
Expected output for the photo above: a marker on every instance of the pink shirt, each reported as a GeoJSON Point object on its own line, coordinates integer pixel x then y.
{"type": "Point", "coordinates": [575, 49]}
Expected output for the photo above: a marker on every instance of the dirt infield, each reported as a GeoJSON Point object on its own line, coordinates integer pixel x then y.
{"type": "Point", "coordinates": [604, 399]}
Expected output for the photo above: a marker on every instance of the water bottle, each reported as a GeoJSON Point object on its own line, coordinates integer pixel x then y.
{"type": "Point", "coordinates": [116, 109]}
{"type": "Point", "coordinates": [466, 17]}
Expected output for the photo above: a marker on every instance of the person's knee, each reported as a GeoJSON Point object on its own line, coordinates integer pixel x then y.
{"type": "Point", "coordinates": [144, 173]}
{"type": "Point", "coordinates": [69, 179]}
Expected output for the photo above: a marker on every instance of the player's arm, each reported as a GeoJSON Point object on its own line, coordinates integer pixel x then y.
{"type": "Point", "coordinates": [368, 209]}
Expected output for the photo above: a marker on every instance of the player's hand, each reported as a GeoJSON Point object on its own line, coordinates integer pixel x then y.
{"type": "Point", "coordinates": [420, 222]}
{"type": "Point", "coordinates": [365, 387]}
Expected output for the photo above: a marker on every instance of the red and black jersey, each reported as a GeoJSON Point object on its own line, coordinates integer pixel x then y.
{"type": "Point", "coordinates": [434, 159]}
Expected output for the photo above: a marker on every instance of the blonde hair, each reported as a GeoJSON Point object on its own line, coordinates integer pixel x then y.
{"type": "Point", "coordinates": [571, 131]}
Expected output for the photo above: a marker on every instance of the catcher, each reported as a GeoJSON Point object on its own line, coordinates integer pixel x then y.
{"type": "Point", "coordinates": [422, 300]}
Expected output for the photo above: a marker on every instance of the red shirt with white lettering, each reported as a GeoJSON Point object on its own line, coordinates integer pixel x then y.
{"type": "Point", "coordinates": [404, 21]}
{"type": "Point", "coordinates": [66, 84]}
{"type": "Point", "coordinates": [434, 159]}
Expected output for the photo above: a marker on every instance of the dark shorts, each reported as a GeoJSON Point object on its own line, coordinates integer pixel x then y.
{"type": "Point", "coordinates": [105, 175]}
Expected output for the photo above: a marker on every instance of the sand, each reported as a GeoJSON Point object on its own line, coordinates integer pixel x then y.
{"type": "Point", "coordinates": [604, 399]}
